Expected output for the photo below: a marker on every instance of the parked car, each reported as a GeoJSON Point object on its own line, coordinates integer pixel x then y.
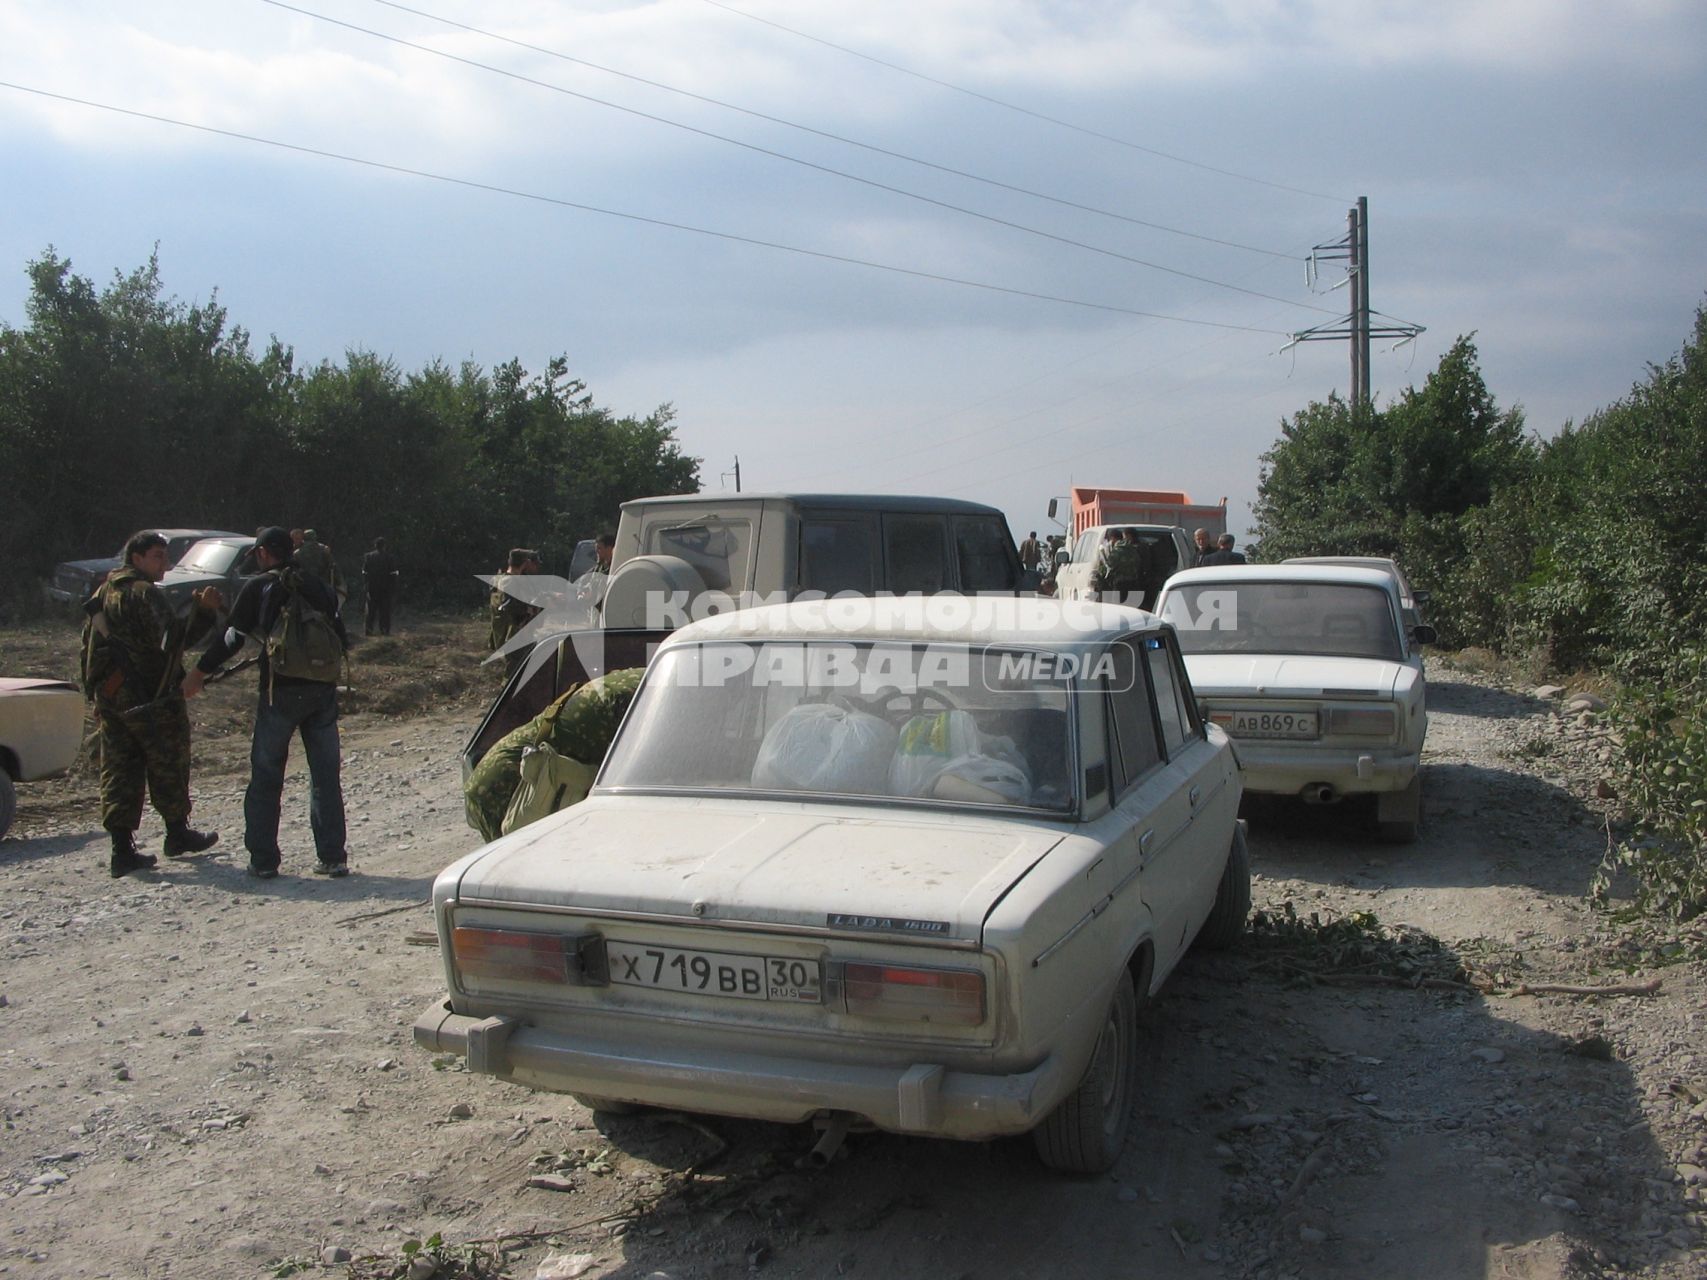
{"type": "Point", "coordinates": [849, 862]}
{"type": "Point", "coordinates": [1312, 671]}
{"type": "Point", "coordinates": [222, 562]}
{"type": "Point", "coordinates": [41, 729]}
{"type": "Point", "coordinates": [74, 581]}
{"type": "Point", "coordinates": [1167, 548]}
{"type": "Point", "coordinates": [1410, 602]}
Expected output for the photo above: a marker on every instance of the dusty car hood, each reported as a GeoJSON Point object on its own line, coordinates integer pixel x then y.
{"type": "Point", "coordinates": [761, 862]}
{"type": "Point", "coordinates": [1224, 674]}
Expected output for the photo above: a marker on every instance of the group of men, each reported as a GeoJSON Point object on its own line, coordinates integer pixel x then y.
{"type": "Point", "coordinates": [1221, 553]}
{"type": "Point", "coordinates": [133, 670]}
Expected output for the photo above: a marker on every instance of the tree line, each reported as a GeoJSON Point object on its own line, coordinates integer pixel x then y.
{"type": "Point", "coordinates": [123, 408]}
{"type": "Point", "coordinates": [1583, 552]}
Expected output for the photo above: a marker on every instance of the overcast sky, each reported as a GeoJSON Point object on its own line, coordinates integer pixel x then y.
{"type": "Point", "coordinates": [1533, 170]}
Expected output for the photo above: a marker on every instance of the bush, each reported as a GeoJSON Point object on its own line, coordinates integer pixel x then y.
{"type": "Point", "coordinates": [1661, 772]}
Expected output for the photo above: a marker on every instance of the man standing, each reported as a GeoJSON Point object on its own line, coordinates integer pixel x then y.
{"type": "Point", "coordinates": [511, 613]}
{"type": "Point", "coordinates": [293, 616]}
{"type": "Point", "coordinates": [379, 578]}
{"type": "Point", "coordinates": [1200, 539]}
{"type": "Point", "coordinates": [133, 668]}
{"type": "Point", "coordinates": [604, 549]}
{"type": "Point", "coordinates": [1030, 551]}
{"type": "Point", "coordinates": [1224, 553]}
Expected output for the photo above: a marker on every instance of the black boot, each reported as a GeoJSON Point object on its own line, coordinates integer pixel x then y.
{"type": "Point", "coordinates": [125, 855]}
{"type": "Point", "coordinates": [181, 840]}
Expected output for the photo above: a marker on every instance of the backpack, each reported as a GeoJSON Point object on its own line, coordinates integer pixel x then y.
{"type": "Point", "coordinates": [303, 643]}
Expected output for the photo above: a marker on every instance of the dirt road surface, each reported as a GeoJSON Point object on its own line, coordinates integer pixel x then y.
{"type": "Point", "coordinates": [205, 1075]}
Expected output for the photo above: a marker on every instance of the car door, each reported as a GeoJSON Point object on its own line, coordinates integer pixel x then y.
{"type": "Point", "coordinates": [1200, 770]}
{"type": "Point", "coordinates": [1151, 798]}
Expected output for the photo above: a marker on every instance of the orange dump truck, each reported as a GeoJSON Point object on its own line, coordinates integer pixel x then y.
{"type": "Point", "coordinates": [1096, 506]}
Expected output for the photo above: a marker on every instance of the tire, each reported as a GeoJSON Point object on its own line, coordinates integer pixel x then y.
{"type": "Point", "coordinates": [1086, 1132]}
{"type": "Point", "coordinates": [8, 802]}
{"type": "Point", "coordinates": [1226, 922]}
{"type": "Point", "coordinates": [605, 1106]}
{"type": "Point", "coordinates": [1402, 830]}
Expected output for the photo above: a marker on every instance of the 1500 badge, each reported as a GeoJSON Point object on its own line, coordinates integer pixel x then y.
{"type": "Point", "coordinates": [887, 924]}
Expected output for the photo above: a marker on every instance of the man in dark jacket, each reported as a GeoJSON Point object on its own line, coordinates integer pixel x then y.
{"type": "Point", "coordinates": [379, 576]}
{"type": "Point", "coordinates": [1223, 553]}
{"type": "Point", "coordinates": [133, 666]}
{"type": "Point", "coordinates": [289, 704]}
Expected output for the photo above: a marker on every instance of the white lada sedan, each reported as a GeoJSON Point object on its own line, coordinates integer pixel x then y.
{"type": "Point", "coordinates": [910, 863]}
{"type": "Point", "coordinates": [1313, 672]}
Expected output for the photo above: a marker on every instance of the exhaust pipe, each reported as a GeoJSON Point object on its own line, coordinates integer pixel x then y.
{"type": "Point", "coordinates": [830, 1141]}
{"type": "Point", "coordinates": [1319, 793]}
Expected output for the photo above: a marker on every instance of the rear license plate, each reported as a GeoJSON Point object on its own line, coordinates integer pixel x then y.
{"type": "Point", "coordinates": [714, 973]}
{"type": "Point", "coordinates": [1274, 724]}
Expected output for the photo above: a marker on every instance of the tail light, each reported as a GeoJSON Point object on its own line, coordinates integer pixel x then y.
{"type": "Point", "coordinates": [1363, 722]}
{"type": "Point", "coordinates": [515, 955]}
{"type": "Point", "coordinates": [924, 995]}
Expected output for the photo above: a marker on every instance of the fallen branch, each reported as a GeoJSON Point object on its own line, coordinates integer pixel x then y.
{"type": "Point", "coordinates": [389, 911]}
{"type": "Point", "coordinates": [1567, 989]}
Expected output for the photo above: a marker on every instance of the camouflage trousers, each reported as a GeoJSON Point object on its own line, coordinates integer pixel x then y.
{"type": "Point", "coordinates": [147, 751]}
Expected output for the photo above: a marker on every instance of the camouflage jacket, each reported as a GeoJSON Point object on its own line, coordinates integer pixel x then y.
{"type": "Point", "coordinates": [1120, 567]}
{"type": "Point", "coordinates": [134, 646]}
{"type": "Point", "coordinates": [509, 613]}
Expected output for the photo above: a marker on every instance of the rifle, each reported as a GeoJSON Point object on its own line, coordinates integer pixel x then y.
{"type": "Point", "coordinates": [215, 678]}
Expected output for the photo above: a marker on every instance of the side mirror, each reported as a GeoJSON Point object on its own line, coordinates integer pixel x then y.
{"type": "Point", "coordinates": [1423, 634]}
{"type": "Point", "coordinates": [1421, 597]}
{"type": "Point", "coordinates": [1052, 503]}
{"type": "Point", "coordinates": [1063, 556]}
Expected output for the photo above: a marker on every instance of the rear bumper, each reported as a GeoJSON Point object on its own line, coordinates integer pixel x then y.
{"type": "Point", "coordinates": [921, 1098]}
{"type": "Point", "coordinates": [1287, 770]}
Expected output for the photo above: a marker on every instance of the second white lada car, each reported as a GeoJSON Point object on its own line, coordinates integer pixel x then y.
{"type": "Point", "coordinates": [1314, 674]}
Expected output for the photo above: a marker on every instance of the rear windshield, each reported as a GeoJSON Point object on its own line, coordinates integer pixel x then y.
{"type": "Point", "coordinates": [936, 724]}
{"type": "Point", "coordinates": [1302, 618]}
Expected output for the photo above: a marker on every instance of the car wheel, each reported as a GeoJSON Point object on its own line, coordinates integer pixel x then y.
{"type": "Point", "coordinates": [1398, 817]}
{"type": "Point", "coordinates": [1086, 1132]}
{"type": "Point", "coordinates": [8, 802]}
{"type": "Point", "coordinates": [1226, 922]}
{"type": "Point", "coordinates": [605, 1106]}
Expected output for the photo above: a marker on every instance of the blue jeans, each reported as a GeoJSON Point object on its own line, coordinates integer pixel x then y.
{"type": "Point", "coordinates": [312, 709]}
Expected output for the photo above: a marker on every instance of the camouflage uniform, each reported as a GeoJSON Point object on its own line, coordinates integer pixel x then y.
{"type": "Point", "coordinates": [509, 615]}
{"type": "Point", "coordinates": [1120, 571]}
{"type": "Point", "coordinates": [580, 725]}
{"type": "Point", "coordinates": [134, 671]}
{"type": "Point", "coordinates": [315, 557]}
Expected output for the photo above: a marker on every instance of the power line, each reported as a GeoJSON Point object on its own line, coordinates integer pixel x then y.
{"type": "Point", "coordinates": [558, 202]}
{"type": "Point", "coordinates": [1024, 111]}
{"type": "Point", "coordinates": [780, 155]}
{"type": "Point", "coordinates": [834, 137]}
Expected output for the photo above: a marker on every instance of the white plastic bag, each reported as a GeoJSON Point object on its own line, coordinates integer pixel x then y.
{"type": "Point", "coordinates": [983, 780]}
{"type": "Point", "coordinates": [926, 745]}
{"type": "Point", "coordinates": [819, 746]}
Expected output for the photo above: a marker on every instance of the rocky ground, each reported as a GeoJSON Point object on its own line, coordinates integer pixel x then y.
{"type": "Point", "coordinates": [205, 1075]}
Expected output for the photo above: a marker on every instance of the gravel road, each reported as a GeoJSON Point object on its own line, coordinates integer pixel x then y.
{"type": "Point", "coordinates": [204, 1075]}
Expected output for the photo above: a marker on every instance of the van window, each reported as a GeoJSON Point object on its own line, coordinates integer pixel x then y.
{"type": "Point", "coordinates": [982, 545]}
{"type": "Point", "coordinates": [718, 549]}
{"type": "Point", "coordinates": [838, 555]}
{"type": "Point", "coordinates": [916, 549]}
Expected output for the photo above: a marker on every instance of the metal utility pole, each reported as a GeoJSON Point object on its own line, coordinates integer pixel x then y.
{"type": "Point", "coordinates": [1359, 325]}
{"type": "Point", "coordinates": [736, 473]}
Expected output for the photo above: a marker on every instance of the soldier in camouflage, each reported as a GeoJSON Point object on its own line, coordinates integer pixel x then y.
{"type": "Point", "coordinates": [132, 669]}
{"type": "Point", "coordinates": [509, 613]}
{"type": "Point", "coordinates": [1120, 571]}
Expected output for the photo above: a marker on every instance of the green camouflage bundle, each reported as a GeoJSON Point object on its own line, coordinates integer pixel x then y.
{"type": "Point", "coordinates": [580, 725]}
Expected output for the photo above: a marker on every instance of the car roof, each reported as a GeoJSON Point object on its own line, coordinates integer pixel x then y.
{"type": "Point", "coordinates": [200, 533]}
{"type": "Point", "coordinates": [836, 501]}
{"type": "Point", "coordinates": [1285, 572]}
{"type": "Point", "coordinates": [1031, 621]}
